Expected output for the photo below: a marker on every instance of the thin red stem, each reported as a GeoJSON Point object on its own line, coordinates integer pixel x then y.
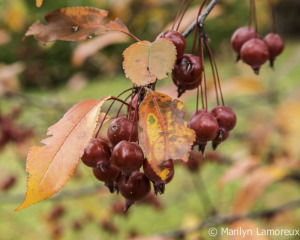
{"type": "Point", "coordinates": [204, 76]}
{"type": "Point", "coordinates": [250, 14]}
{"type": "Point", "coordinates": [123, 104]}
{"type": "Point", "coordinates": [178, 13]}
{"type": "Point", "coordinates": [186, 8]}
{"type": "Point", "coordinates": [273, 16]}
{"type": "Point", "coordinates": [134, 116]}
{"type": "Point", "coordinates": [255, 17]}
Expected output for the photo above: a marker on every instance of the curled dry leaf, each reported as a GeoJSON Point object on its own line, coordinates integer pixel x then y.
{"type": "Point", "coordinates": [254, 186]}
{"type": "Point", "coordinates": [74, 24]}
{"type": "Point", "coordinates": [165, 133]}
{"type": "Point", "coordinates": [144, 62]}
{"type": "Point", "coordinates": [51, 166]}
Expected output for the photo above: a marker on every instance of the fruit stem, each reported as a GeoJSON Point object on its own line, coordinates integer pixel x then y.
{"type": "Point", "coordinates": [178, 13]}
{"type": "Point", "coordinates": [196, 28]}
{"type": "Point", "coordinates": [204, 76]}
{"type": "Point", "coordinates": [255, 18]}
{"type": "Point", "coordinates": [123, 105]}
{"type": "Point", "coordinates": [134, 116]}
{"type": "Point", "coordinates": [216, 69]}
{"type": "Point", "coordinates": [273, 16]}
{"type": "Point", "coordinates": [250, 14]}
{"type": "Point", "coordinates": [197, 101]}
{"type": "Point", "coordinates": [186, 8]}
{"type": "Point", "coordinates": [114, 98]}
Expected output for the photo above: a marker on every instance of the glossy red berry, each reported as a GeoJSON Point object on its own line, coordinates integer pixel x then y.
{"type": "Point", "coordinates": [97, 154]}
{"type": "Point", "coordinates": [222, 136]}
{"type": "Point", "coordinates": [187, 73]}
{"type": "Point", "coordinates": [225, 116]}
{"type": "Point", "coordinates": [127, 157]}
{"type": "Point", "coordinates": [120, 130]}
{"type": "Point", "coordinates": [177, 39]}
{"type": "Point", "coordinates": [205, 126]}
{"type": "Point", "coordinates": [109, 175]}
{"type": "Point", "coordinates": [136, 189]}
{"type": "Point", "coordinates": [275, 45]}
{"type": "Point", "coordinates": [255, 53]}
{"type": "Point", "coordinates": [240, 36]}
{"type": "Point", "coordinates": [159, 184]}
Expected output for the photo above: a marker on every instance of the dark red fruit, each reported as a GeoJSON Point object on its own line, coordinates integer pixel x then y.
{"type": "Point", "coordinates": [194, 161]}
{"type": "Point", "coordinates": [240, 36]}
{"type": "Point", "coordinates": [120, 130]}
{"type": "Point", "coordinates": [136, 189]}
{"type": "Point", "coordinates": [159, 184]}
{"type": "Point", "coordinates": [225, 116]}
{"type": "Point", "coordinates": [222, 136]}
{"type": "Point", "coordinates": [97, 154]}
{"type": "Point", "coordinates": [275, 45]}
{"type": "Point", "coordinates": [255, 53]}
{"type": "Point", "coordinates": [109, 175]}
{"type": "Point", "coordinates": [187, 73]}
{"type": "Point", "coordinates": [205, 126]}
{"type": "Point", "coordinates": [127, 157]}
{"type": "Point", "coordinates": [177, 39]}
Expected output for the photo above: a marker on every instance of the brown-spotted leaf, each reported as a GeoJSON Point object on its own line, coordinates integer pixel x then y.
{"type": "Point", "coordinates": [165, 134]}
{"type": "Point", "coordinates": [74, 24]}
{"type": "Point", "coordinates": [51, 166]}
{"type": "Point", "coordinates": [144, 62]}
{"type": "Point", "coordinates": [38, 3]}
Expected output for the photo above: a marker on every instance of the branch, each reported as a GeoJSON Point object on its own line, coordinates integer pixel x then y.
{"type": "Point", "coordinates": [201, 18]}
{"type": "Point", "coordinates": [217, 220]}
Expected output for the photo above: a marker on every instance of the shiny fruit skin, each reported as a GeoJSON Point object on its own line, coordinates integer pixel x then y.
{"type": "Point", "coordinates": [127, 156]}
{"type": "Point", "coordinates": [255, 53]}
{"type": "Point", "coordinates": [187, 72]}
{"type": "Point", "coordinates": [240, 36]}
{"type": "Point", "coordinates": [109, 175]}
{"type": "Point", "coordinates": [137, 187]}
{"type": "Point", "coordinates": [120, 130]}
{"type": "Point", "coordinates": [275, 44]}
{"type": "Point", "coordinates": [205, 126]}
{"type": "Point", "coordinates": [177, 39]}
{"type": "Point", "coordinates": [225, 116]}
{"type": "Point", "coordinates": [97, 151]}
{"type": "Point", "coordinates": [150, 173]}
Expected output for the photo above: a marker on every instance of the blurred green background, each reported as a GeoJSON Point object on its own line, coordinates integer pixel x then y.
{"type": "Point", "coordinates": [43, 82]}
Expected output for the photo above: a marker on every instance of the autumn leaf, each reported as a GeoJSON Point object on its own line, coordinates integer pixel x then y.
{"type": "Point", "coordinates": [38, 3]}
{"type": "Point", "coordinates": [165, 134]}
{"type": "Point", "coordinates": [74, 24]}
{"type": "Point", "coordinates": [51, 166]}
{"type": "Point", "coordinates": [144, 62]}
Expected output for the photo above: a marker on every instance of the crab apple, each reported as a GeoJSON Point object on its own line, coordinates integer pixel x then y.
{"type": "Point", "coordinates": [275, 45]}
{"type": "Point", "coordinates": [255, 53]}
{"type": "Point", "coordinates": [159, 184]}
{"type": "Point", "coordinates": [127, 157]}
{"type": "Point", "coordinates": [240, 36]}
{"type": "Point", "coordinates": [225, 116]}
{"type": "Point", "coordinates": [97, 154]}
{"type": "Point", "coordinates": [120, 129]}
{"type": "Point", "coordinates": [187, 73]}
{"type": "Point", "coordinates": [177, 39]}
{"type": "Point", "coordinates": [222, 136]}
{"type": "Point", "coordinates": [205, 126]}
{"type": "Point", "coordinates": [136, 189]}
{"type": "Point", "coordinates": [109, 175]}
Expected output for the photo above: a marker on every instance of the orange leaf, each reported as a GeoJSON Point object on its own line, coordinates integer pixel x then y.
{"type": "Point", "coordinates": [254, 186]}
{"type": "Point", "coordinates": [52, 165]}
{"type": "Point", "coordinates": [165, 133]}
{"type": "Point", "coordinates": [144, 62]}
{"type": "Point", "coordinates": [73, 24]}
{"type": "Point", "coordinates": [38, 3]}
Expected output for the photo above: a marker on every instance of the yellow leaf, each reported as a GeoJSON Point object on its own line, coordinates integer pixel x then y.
{"type": "Point", "coordinates": [165, 133]}
{"type": "Point", "coordinates": [51, 166]}
{"type": "Point", "coordinates": [144, 62]}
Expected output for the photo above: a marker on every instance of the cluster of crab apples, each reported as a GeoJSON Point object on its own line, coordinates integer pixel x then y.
{"type": "Point", "coordinates": [117, 163]}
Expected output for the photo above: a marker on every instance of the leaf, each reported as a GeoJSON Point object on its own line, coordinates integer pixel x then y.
{"type": "Point", "coordinates": [165, 133]}
{"type": "Point", "coordinates": [144, 62]}
{"type": "Point", "coordinates": [74, 24]}
{"type": "Point", "coordinates": [52, 165]}
{"type": "Point", "coordinates": [38, 3]}
{"type": "Point", "coordinates": [254, 186]}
